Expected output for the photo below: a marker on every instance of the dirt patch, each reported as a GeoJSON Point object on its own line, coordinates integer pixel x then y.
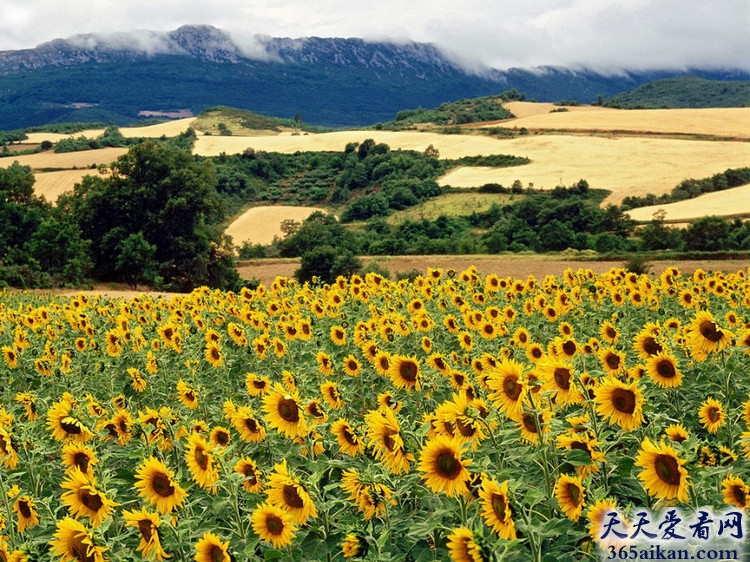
{"type": "Point", "coordinates": [516, 266]}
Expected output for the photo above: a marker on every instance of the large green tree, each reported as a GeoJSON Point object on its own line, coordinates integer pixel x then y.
{"type": "Point", "coordinates": [156, 207]}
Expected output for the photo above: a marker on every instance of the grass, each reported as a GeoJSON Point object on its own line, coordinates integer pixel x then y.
{"type": "Point", "coordinates": [452, 204]}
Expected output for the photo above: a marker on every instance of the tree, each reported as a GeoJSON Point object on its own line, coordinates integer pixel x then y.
{"type": "Point", "coordinates": [326, 263]}
{"type": "Point", "coordinates": [166, 199]}
{"type": "Point", "coordinates": [708, 234]}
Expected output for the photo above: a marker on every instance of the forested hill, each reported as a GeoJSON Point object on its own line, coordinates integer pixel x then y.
{"type": "Point", "coordinates": [327, 81]}
{"type": "Point", "coordinates": [685, 91]}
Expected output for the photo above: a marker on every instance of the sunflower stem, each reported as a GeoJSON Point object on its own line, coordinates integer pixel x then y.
{"type": "Point", "coordinates": [8, 511]}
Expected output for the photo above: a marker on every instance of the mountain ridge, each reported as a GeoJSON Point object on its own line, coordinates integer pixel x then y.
{"type": "Point", "coordinates": [333, 82]}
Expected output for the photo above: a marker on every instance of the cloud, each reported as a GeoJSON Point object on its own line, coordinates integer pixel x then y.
{"type": "Point", "coordinates": [603, 34]}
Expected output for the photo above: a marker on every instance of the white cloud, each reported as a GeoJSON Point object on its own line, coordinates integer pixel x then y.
{"type": "Point", "coordinates": [605, 34]}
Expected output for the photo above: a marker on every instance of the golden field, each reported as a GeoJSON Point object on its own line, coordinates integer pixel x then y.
{"type": "Point", "coordinates": [728, 203]}
{"type": "Point", "coordinates": [260, 225]}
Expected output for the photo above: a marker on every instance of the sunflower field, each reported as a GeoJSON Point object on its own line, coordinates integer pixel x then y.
{"type": "Point", "coordinates": [453, 417]}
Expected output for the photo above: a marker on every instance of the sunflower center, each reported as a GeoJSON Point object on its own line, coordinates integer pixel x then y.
{"type": "Point", "coordinates": [581, 446]}
{"type": "Point", "coordinates": [569, 348]}
{"type": "Point", "coordinates": [292, 497]}
{"type": "Point", "coordinates": [710, 332]}
{"type": "Point", "coordinates": [274, 525]}
{"type": "Point", "coordinates": [666, 369]}
{"type": "Point", "coordinates": [611, 332]}
{"type": "Point", "coordinates": [251, 424]}
{"type": "Point", "coordinates": [288, 410]}
{"type": "Point", "coordinates": [23, 507]}
{"type": "Point", "coordinates": [81, 460]}
{"type": "Point", "coordinates": [349, 436]}
{"type": "Point", "coordinates": [651, 346]}
{"type": "Point", "coordinates": [739, 494]}
{"type": "Point", "coordinates": [146, 528]}
{"type": "Point", "coordinates": [466, 429]}
{"type": "Point", "coordinates": [511, 388]}
{"type": "Point", "coordinates": [447, 465]}
{"type": "Point", "coordinates": [667, 469]}
{"type": "Point", "coordinates": [216, 554]}
{"type": "Point", "coordinates": [201, 459]}
{"type": "Point", "coordinates": [71, 426]}
{"type": "Point", "coordinates": [613, 361]}
{"type": "Point", "coordinates": [624, 400]}
{"type": "Point", "coordinates": [260, 385]}
{"type": "Point", "coordinates": [162, 485]}
{"type": "Point", "coordinates": [500, 506]}
{"type": "Point", "coordinates": [562, 378]}
{"type": "Point", "coordinates": [408, 371]}
{"type": "Point", "coordinates": [80, 551]}
{"type": "Point", "coordinates": [714, 414]}
{"type": "Point", "coordinates": [92, 500]}
{"type": "Point", "coordinates": [574, 493]}
{"type": "Point", "coordinates": [389, 441]}
{"type": "Point", "coordinates": [530, 423]}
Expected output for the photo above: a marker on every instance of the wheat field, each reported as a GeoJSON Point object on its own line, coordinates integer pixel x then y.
{"type": "Point", "coordinates": [65, 160]}
{"type": "Point", "coordinates": [260, 225]}
{"type": "Point", "coordinates": [728, 203]}
{"type": "Point", "coordinates": [51, 185]}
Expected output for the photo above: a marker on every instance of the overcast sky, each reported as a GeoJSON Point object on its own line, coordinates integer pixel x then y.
{"type": "Point", "coordinates": [601, 34]}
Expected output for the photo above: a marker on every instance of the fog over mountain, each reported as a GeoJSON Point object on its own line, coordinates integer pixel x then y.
{"type": "Point", "coordinates": [603, 35]}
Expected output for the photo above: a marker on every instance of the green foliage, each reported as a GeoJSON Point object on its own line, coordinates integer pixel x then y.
{"type": "Point", "coordinates": [684, 91]}
{"type": "Point", "coordinates": [453, 113]}
{"type": "Point", "coordinates": [155, 208]}
{"type": "Point", "coordinates": [324, 263]}
{"type": "Point", "coordinates": [637, 264]}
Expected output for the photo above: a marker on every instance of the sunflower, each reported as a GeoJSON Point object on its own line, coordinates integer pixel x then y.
{"type": "Point", "coordinates": [570, 496]}
{"type": "Point", "coordinates": [353, 546]}
{"type": "Point", "coordinates": [405, 372]}
{"type": "Point", "coordinates": [253, 477]}
{"type": "Point", "coordinates": [496, 510]}
{"type": "Point", "coordinates": [156, 485]}
{"type": "Point", "coordinates": [26, 511]}
{"type": "Point", "coordinates": [646, 344]}
{"type": "Point", "coordinates": [273, 525]}
{"type": "Point", "coordinates": [251, 430]}
{"type": "Point", "coordinates": [677, 433]}
{"type": "Point", "coordinates": [138, 382]}
{"type": "Point", "coordinates": [201, 462]}
{"type": "Point", "coordinates": [64, 426]}
{"type": "Point", "coordinates": [620, 403]}
{"type": "Point", "coordinates": [352, 366]}
{"type": "Point", "coordinates": [382, 362]}
{"type": "Point", "coordinates": [314, 409]}
{"type": "Point", "coordinates": [462, 547]}
{"type": "Point", "coordinates": [8, 453]}
{"type": "Point", "coordinates": [338, 335]}
{"type": "Point", "coordinates": [349, 442]}
{"type": "Point", "coordinates": [558, 375]}
{"type": "Point", "coordinates": [735, 491]}
{"type": "Point", "coordinates": [532, 424]}
{"type": "Point", "coordinates": [147, 524]}
{"type": "Point", "coordinates": [84, 499]}
{"type": "Point", "coordinates": [507, 382]}
{"type": "Point", "coordinates": [28, 401]}
{"type": "Point", "coordinates": [663, 474]}
{"type": "Point", "coordinates": [663, 370]}
{"type": "Point", "coordinates": [213, 354]}
{"type": "Point", "coordinates": [74, 543]}
{"type": "Point", "coordinates": [582, 441]}
{"type": "Point", "coordinates": [711, 415]}
{"type": "Point", "coordinates": [119, 426]}
{"type": "Point", "coordinates": [613, 361]}
{"type": "Point", "coordinates": [219, 437]}
{"type": "Point", "coordinates": [256, 385]}
{"type": "Point", "coordinates": [704, 336]}
{"type": "Point", "coordinates": [211, 549]}
{"type": "Point", "coordinates": [445, 471]}
{"type": "Point", "coordinates": [331, 395]}
{"type": "Point", "coordinates": [284, 412]}
{"type": "Point", "coordinates": [287, 492]}
{"type": "Point", "coordinates": [384, 436]}
{"type": "Point", "coordinates": [80, 456]}
{"type": "Point", "coordinates": [187, 395]}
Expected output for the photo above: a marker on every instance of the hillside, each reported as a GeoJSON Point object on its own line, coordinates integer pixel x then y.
{"type": "Point", "coordinates": [684, 91]}
{"type": "Point", "coordinates": [331, 82]}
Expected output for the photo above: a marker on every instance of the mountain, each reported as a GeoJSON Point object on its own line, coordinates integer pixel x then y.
{"type": "Point", "coordinates": [331, 82]}
{"type": "Point", "coordinates": [684, 91]}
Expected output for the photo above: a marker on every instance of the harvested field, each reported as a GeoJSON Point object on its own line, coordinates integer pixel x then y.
{"type": "Point", "coordinates": [450, 146]}
{"type": "Point", "coordinates": [168, 128]}
{"type": "Point", "coordinates": [517, 266]}
{"type": "Point", "coordinates": [260, 225]}
{"type": "Point", "coordinates": [66, 160]}
{"type": "Point", "coordinates": [51, 185]}
{"type": "Point", "coordinates": [625, 166]}
{"type": "Point", "coordinates": [722, 122]}
{"type": "Point", "coordinates": [529, 108]}
{"type": "Point", "coordinates": [728, 203]}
